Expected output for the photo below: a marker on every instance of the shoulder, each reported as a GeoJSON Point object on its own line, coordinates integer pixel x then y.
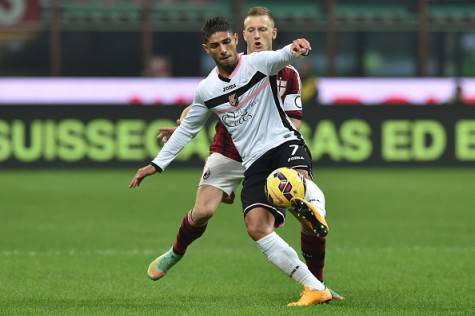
{"type": "Point", "coordinates": [199, 90]}
{"type": "Point", "coordinates": [258, 56]}
{"type": "Point", "coordinates": [289, 72]}
{"type": "Point", "coordinates": [207, 83]}
{"type": "Point", "coordinates": [211, 77]}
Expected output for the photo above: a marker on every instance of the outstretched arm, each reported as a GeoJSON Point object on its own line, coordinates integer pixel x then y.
{"type": "Point", "coordinates": [270, 62]}
{"type": "Point", "coordinates": [188, 129]}
{"type": "Point", "coordinates": [191, 125]}
{"type": "Point", "coordinates": [300, 47]}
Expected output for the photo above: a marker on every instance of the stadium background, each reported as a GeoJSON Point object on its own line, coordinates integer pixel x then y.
{"type": "Point", "coordinates": [389, 95]}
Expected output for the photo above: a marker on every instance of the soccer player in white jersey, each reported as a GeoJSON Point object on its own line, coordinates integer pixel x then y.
{"type": "Point", "coordinates": [223, 170]}
{"type": "Point", "coordinates": [242, 91]}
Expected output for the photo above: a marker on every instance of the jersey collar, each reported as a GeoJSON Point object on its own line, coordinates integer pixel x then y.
{"type": "Point", "coordinates": [228, 78]}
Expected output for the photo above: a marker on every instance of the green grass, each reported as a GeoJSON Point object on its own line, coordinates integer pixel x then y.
{"type": "Point", "coordinates": [402, 242]}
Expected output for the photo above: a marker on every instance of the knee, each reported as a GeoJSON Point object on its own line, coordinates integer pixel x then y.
{"type": "Point", "coordinates": [258, 230]}
{"type": "Point", "coordinates": [305, 173]}
{"type": "Point", "coordinates": [202, 213]}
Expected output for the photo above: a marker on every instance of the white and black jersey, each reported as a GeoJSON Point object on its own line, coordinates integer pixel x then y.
{"type": "Point", "coordinates": [248, 104]}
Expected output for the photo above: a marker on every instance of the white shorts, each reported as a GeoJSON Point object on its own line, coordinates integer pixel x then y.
{"type": "Point", "coordinates": [222, 172]}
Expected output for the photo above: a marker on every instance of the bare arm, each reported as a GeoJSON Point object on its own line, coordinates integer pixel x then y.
{"type": "Point", "coordinates": [296, 123]}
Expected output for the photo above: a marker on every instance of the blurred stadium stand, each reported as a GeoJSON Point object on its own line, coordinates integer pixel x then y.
{"type": "Point", "coordinates": [67, 65]}
{"type": "Point", "coordinates": [123, 38]}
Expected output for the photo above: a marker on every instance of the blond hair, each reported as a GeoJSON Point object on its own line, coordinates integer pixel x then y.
{"type": "Point", "coordinates": [260, 11]}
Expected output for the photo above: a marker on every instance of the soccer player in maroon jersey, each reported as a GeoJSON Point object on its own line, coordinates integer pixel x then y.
{"type": "Point", "coordinates": [223, 170]}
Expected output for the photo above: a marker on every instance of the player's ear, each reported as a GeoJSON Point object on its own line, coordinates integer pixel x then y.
{"type": "Point", "coordinates": [205, 48]}
{"type": "Point", "coordinates": [236, 38]}
{"type": "Point", "coordinates": [274, 33]}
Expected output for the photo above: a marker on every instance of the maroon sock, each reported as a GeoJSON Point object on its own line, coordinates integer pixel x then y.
{"type": "Point", "coordinates": [313, 250]}
{"type": "Point", "coordinates": [187, 234]}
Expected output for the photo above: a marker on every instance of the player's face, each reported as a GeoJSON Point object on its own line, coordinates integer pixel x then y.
{"type": "Point", "coordinates": [259, 32]}
{"type": "Point", "coordinates": [222, 47]}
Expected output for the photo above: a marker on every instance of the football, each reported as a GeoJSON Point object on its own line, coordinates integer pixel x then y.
{"type": "Point", "coordinates": [282, 185]}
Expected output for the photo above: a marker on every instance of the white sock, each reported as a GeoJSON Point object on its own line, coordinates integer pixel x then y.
{"type": "Point", "coordinates": [286, 259]}
{"type": "Point", "coordinates": [315, 196]}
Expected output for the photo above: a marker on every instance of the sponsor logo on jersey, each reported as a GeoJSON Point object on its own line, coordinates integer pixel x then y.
{"type": "Point", "coordinates": [229, 87]}
{"type": "Point", "coordinates": [233, 100]}
{"type": "Point", "coordinates": [234, 119]}
{"type": "Point", "coordinates": [295, 158]}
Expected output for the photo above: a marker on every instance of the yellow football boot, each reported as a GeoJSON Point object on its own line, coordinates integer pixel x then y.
{"type": "Point", "coordinates": [311, 297]}
{"type": "Point", "coordinates": [306, 213]}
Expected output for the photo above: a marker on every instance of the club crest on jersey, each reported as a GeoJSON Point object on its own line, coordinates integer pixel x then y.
{"type": "Point", "coordinates": [233, 100]}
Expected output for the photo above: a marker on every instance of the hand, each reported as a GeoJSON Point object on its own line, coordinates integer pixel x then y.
{"type": "Point", "coordinates": [140, 175]}
{"type": "Point", "coordinates": [301, 47]}
{"type": "Point", "coordinates": [165, 133]}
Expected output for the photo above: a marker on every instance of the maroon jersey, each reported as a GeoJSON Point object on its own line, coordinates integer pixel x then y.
{"type": "Point", "coordinates": [288, 82]}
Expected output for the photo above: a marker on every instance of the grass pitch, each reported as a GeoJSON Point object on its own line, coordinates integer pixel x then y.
{"type": "Point", "coordinates": [402, 242]}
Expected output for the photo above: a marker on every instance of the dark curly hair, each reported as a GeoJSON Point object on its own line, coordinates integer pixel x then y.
{"type": "Point", "coordinates": [213, 25]}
